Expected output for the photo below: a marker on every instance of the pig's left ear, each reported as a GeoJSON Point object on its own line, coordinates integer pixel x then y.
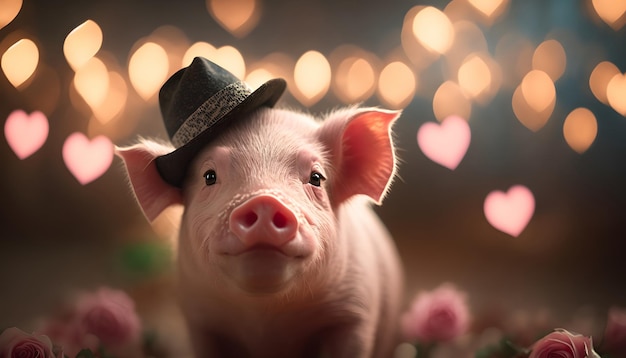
{"type": "Point", "coordinates": [362, 152]}
{"type": "Point", "coordinates": [152, 193]}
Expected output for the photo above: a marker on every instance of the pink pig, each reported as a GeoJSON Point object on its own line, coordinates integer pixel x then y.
{"type": "Point", "coordinates": [280, 253]}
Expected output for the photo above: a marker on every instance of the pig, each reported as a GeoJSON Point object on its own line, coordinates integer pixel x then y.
{"type": "Point", "coordinates": [280, 253]}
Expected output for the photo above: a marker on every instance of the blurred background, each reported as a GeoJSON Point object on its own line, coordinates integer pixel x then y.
{"type": "Point", "coordinates": [540, 83]}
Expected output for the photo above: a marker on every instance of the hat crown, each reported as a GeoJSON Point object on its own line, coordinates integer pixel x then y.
{"type": "Point", "coordinates": [188, 89]}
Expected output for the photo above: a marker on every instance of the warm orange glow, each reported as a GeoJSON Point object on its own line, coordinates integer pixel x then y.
{"type": "Point", "coordinates": [616, 93]}
{"type": "Point", "coordinates": [10, 9]}
{"type": "Point", "coordinates": [474, 76]}
{"type": "Point", "coordinates": [198, 49]}
{"type": "Point", "coordinates": [258, 77]}
{"type": "Point", "coordinates": [147, 69]}
{"type": "Point", "coordinates": [396, 85]}
{"type": "Point", "coordinates": [433, 30]}
{"type": "Point", "coordinates": [527, 115]}
{"type": "Point", "coordinates": [550, 58]}
{"type": "Point", "coordinates": [468, 39]}
{"type": "Point", "coordinates": [92, 82]}
{"type": "Point", "coordinates": [450, 100]}
{"type": "Point", "coordinates": [613, 12]}
{"type": "Point", "coordinates": [538, 90]}
{"type": "Point", "coordinates": [236, 16]}
{"type": "Point", "coordinates": [82, 43]}
{"type": "Point", "coordinates": [599, 79]}
{"type": "Point", "coordinates": [580, 129]}
{"type": "Point", "coordinates": [114, 101]}
{"type": "Point", "coordinates": [312, 77]}
{"type": "Point", "coordinates": [419, 56]}
{"type": "Point", "coordinates": [489, 8]}
{"type": "Point", "coordinates": [231, 59]}
{"type": "Point", "coordinates": [19, 61]}
{"type": "Point", "coordinates": [355, 80]}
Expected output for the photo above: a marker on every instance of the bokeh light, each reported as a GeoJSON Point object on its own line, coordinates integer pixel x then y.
{"type": "Point", "coordinates": [449, 100]}
{"type": "Point", "coordinates": [613, 12]}
{"type": "Point", "coordinates": [92, 82]}
{"type": "Point", "coordinates": [236, 16]}
{"type": "Point", "coordinates": [616, 93]}
{"type": "Point", "coordinates": [355, 77]}
{"type": "Point", "coordinates": [198, 49]}
{"type": "Point", "coordinates": [580, 129]}
{"type": "Point", "coordinates": [433, 30]}
{"type": "Point", "coordinates": [550, 58]}
{"type": "Point", "coordinates": [474, 76]}
{"type": "Point", "coordinates": [114, 100]}
{"type": "Point", "coordinates": [600, 78]}
{"type": "Point", "coordinates": [148, 69]}
{"type": "Point", "coordinates": [527, 114]}
{"type": "Point", "coordinates": [311, 75]}
{"type": "Point", "coordinates": [538, 90]}
{"type": "Point", "coordinates": [82, 43]}
{"type": "Point", "coordinates": [19, 61]}
{"type": "Point", "coordinates": [10, 9]}
{"type": "Point", "coordinates": [396, 85]}
{"type": "Point", "coordinates": [489, 9]}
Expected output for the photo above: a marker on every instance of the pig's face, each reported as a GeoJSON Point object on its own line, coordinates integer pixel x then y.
{"type": "Point", "coordinates": [261, 200]}
{"type": "Point", "coordinates": [258, 213]}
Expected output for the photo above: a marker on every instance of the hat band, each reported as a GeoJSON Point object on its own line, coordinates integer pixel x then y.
{"type": "Point", "coordinates": [210, 112]}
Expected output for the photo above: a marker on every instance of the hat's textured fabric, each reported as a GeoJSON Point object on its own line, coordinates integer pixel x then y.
{"type": "Point", "coordinates": [198, 103]}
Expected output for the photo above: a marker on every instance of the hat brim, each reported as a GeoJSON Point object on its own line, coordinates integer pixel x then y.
{"type": "Point", "coordinates": [173, 166]}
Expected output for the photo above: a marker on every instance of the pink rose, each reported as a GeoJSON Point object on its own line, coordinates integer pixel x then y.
{"type": "Point", "coordinates": [109, 315]}
{"type": "Point", "coordinates": [614, 340]}
{"type": "Point", "coordinates": [563, 344]}
{"type": "Point", "coordinates": [438, 315]}
{"type": "Point", "coordinates": [15, 343]}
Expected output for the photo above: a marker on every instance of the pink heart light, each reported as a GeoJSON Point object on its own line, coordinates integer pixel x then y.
{"type": "Point", "coordinates": [445, 144]}
{"type": "Point", "coordinates": [26, 134]}
{"type": "Point", "coordinates": [87, 160]}
{"type": "Point", "coordinates": [510, 212]}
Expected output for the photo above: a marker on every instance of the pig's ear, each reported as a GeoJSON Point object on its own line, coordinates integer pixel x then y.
{"type": "Point", "coordinates": [153, 194]}
{"type": "Point", "coordinates": [362, 152]}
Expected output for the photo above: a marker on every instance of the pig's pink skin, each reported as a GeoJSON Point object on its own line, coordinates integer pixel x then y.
{"type": "Point", "coordinates": [334, 285]}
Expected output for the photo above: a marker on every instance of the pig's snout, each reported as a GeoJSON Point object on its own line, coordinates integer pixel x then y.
{"type": "Point", "coordinates": [263, 221]}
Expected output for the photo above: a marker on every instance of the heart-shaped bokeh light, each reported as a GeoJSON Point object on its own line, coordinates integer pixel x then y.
{"type": "Point", "coordinates": [26, 133]}
{"type": "Point", "coordinates": [580, 129]}
{"type": "Point", "coordinates": [148, 68]}
{"type": "Point", "coordinates": [87, 159]}
{"type": "Point", "coordinates": [312, 77]}
{"type": "Point", "coordinates": [236, 16]}
{"type": "Point", "coordinates": [616, 93]}
{"type": "Point", "coordinates": [538, 90]}
{"type": "Point", "coordinates": [19, 61]}
{"type": "Point", "coordinates": [82, 43]}
{"type": "Point", "coordinates": [10, 9]}
{"type": "Point", "coordinates": [445, 143]}
{"type": "Point", "coordinates": [510, 212]}
{"type": "Point", "coordinates": [613, 12]}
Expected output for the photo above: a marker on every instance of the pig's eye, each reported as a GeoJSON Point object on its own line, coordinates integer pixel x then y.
{"type": "Point", "coordinates": [316, 179]}
{"type": "Point", "coordinates": [210, 177]}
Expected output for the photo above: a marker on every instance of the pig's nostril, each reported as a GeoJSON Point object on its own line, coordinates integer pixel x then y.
{"type": "Point", "coordinates": [279, 220]}
{"type": "Point", "coordinates": [250, 218]}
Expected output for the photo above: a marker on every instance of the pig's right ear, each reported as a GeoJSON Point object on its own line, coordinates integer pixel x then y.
{"type": "Point", "coordinates": [151, 191]}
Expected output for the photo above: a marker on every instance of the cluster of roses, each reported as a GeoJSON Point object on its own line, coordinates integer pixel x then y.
{"type": "Point", "coordinates": [441, 316]}
{"type": "Point", "coordinates": [102, 323]}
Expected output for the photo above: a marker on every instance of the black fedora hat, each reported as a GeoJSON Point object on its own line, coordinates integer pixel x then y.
{"type": "Point", "coordinates": [197, 103]}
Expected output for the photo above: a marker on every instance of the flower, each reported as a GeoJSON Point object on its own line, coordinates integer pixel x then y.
{"type": "Point", "coordinates": [438, 315]}
{"type": "Point", "coordinates": [614, 340]}
{"type": "Point", "coordinates": [563, 344]}
{"type": "Point", "coordinates": [16, 343]}
{"type": "Point", "coordinates": [109, 315]}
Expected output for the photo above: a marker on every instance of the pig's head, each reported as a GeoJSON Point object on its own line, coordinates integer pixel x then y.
{"type": "Point", "coordinates": [261, 200]}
